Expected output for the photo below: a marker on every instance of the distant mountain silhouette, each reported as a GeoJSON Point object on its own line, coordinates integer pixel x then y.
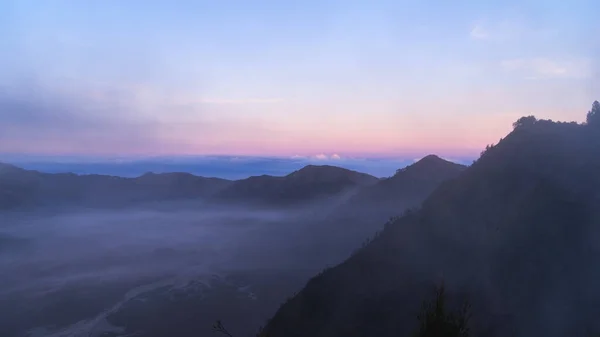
{"type": "Point", "coordinates": [518, 233]}
{"type": "Point", "coordinates": [181, 185]}
{"type": "Point", "coordinates": [343, 224]}
{"type": "Point", "coordinates": [372, 205]}
{"type": "Point", "coordinates": [16, 186]}
{"type": "Point", "coordinates": [303, 185]}
{"type": "Point", "coordinates": [25, 188]}
{"type": "Point", "coordinates": [409, 186]}
{"type": "Point", "coordinates": [8, 168]}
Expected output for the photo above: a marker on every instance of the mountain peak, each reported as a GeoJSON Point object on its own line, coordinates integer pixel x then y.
{"type": "Point", "coordinates": [320, 168]}
{"type": "Point", "coordinates": [299, 186]}
{"type": "Point", "coordinates": [431, 163]}
{"type": "Point", "coordinates": [324, 173]}
{"type": "Point", "coordinates": [431, 157]}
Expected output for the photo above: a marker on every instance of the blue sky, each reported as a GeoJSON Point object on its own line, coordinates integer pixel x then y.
{"type": "Point", "coordinates": [344, 79]}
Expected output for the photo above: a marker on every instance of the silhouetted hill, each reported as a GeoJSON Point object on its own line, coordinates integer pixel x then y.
{"type": "Point", "coordinates": [8, 169]}
{"type": "Point", "coordinates": [409, 186]}
{"type": "Point", "coordinates": [21, 187]}
{"type": "Point", "coordinates": [303, 185]}
{"type": "Point", "coordinates": [25, 188]}
{"type": "Point", "coordinates": [342, 226]}
{"type": "Point", "coordinates": [518, 232]}
{"type": "Point", "coordinates": [181, 185]}
{"type": "Point", "coordinates": [16, 185]}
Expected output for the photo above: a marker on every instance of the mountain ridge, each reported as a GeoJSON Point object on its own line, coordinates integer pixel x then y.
{"type": "Point", "coordinates": [517, 232]}
{"type": "Point", "coordinates": [311, 181]}
{"type": "Point", "coordinates": [29, 188]}
{"type": "Point", "coordinates": [407, 188]}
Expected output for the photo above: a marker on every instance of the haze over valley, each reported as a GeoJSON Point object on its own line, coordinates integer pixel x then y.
{"type": "Point", "coordinates": [317, 168]}
{"type": "Point", "coordinates": [101, 244]}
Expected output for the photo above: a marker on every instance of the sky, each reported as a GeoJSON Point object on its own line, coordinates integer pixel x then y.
{"type": "Point", "coordinates": [320, 79]}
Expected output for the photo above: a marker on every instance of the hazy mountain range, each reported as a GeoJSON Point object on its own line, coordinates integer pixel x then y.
{"type": "Point", "coordinates": [517, 234]}
{"type": "Point", "coordinates": [233, 249]}
{"type": "Point", "coordinates": [227, 167]}
{"type": "Point", "coordinates": [27, 188]}
{"type": "Point", "coordinates": [24, 188]}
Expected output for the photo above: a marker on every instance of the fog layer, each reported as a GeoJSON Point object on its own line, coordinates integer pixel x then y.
{"type": "Point", "coordinates": [88, 262]}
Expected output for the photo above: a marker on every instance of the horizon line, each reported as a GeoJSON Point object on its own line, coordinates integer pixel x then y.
{"type": "Point", "coordinates": [315, 157]}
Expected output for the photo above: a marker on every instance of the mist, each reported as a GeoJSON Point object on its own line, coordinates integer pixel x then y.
{"type": "Point", "coordinates": [163, 255]}
{"type": "Point", "coordinates": [88, 263]}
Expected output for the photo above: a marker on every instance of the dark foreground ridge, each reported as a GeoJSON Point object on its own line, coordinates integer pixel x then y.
{"type": "Point", "coordinates": [517, 234]}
